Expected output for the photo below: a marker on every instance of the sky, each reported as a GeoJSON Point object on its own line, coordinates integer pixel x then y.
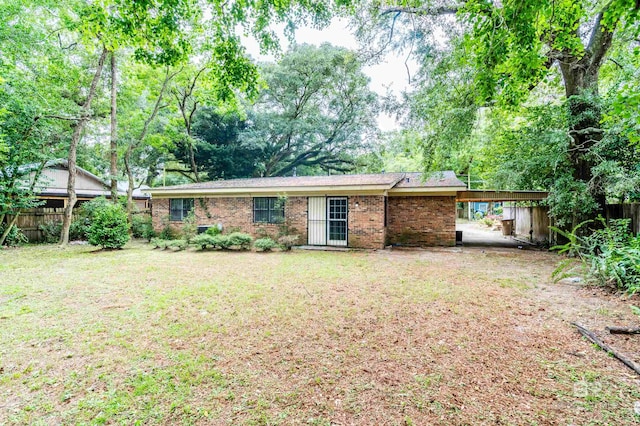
{"type": "Point", "coordinates": [389, 75]}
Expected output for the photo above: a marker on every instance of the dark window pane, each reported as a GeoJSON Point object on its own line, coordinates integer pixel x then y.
{"type": "Point", "coordinates": [268, 210]}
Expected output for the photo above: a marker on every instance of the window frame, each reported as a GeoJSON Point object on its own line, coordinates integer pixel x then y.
{"type": "Point", "coordinates": [183, 212]}
{"type": "Point", "coordinates": [271, 213]}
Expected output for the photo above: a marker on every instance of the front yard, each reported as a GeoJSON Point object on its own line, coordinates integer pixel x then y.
{"type": "Point", "coordinates": [445, 337]}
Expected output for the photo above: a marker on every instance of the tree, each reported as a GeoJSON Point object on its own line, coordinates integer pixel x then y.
{"type": "Point", "coordinates": [218, 150]}
{"type": "Point", "coordinates": [315, 112]}
{"type": "Point", "coordinates": [513, 46]}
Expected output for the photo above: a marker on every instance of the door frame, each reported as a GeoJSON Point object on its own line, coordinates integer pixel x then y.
{"type": "Point", "coordinates": [327, 241]}
{"type": "Point", "coordinates": [338, 243]}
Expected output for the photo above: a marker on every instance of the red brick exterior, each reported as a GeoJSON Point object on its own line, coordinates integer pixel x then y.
{"type": "Point", "coordinates": [237, 212]}
{"type": "Point", "coordinates": [366, 222]}
{"type": "Point", "coordinates": [421, 221]}
{"type": "Point", "coordinates": [411, 221]}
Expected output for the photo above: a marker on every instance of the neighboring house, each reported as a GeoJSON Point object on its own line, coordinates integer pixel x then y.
{"type": "Point", "coordinates": [52, 187]}
{"type": "Point", "coordinates": [361, 211]}
{"type": "Point", "coordinates": [52, 190]}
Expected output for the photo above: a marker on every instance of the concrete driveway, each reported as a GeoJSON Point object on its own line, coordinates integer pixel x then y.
{"type": "Point", "coordinates": [477, 234]}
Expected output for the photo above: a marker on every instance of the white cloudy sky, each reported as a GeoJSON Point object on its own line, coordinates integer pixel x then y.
{"type": "Point", "coordinates": [390, 74]}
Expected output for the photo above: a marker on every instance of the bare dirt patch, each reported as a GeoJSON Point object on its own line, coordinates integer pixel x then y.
{"type": "Point", "coordinates": [453, 336]}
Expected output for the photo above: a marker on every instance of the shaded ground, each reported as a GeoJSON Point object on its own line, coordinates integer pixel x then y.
{"type": "Point", "coordinates": [475, 234]}
{"type": "Point", "coordinates": [446, 336]}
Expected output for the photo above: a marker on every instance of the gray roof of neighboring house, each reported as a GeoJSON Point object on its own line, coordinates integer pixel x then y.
{"type": "Point", "coordinates": [64, 164]}
{"type": "Point", "coordinates": [388, 180]}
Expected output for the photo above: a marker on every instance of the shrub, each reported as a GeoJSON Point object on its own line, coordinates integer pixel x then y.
{"type": "Point", "coordinates": [190, 226]}
{"type": "Point", "coordinates": [223, 241]}
{"type": "Point", "coordinates": [288, 241]}
{"type": "Point", "coordinates": [213, 230]}
{"type": "Point", "coordinates": [142, 226]}
{"type": "Point", "coordinates": [158, 243]}
{"type": "Point", "coordinates": [487, 221]}
{"type": "Point", "coordinates": [204, 241]}
{"type": "Point", "coordinates": [79, 229]}
{"type": "Point", "coordinates": [265, 244]}
{"type": "Point", "coordinates": [109, 227]}
{"type": "Point", "coordinates": [178, 244]}
{"type": "Point", "coordinates": [168, 232]}
{"type": "Point", "coordinates": [240, 239]}
{"type": "Point", "coordinates": [51, 231]}
{"type": "Point", "coordinates": [14, 237]}
{"type": "Point", "coordinates": [609, 255]}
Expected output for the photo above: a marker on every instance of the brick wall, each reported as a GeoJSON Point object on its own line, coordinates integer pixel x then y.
{"type": "Point", "coordinates": [421, 221]}
{"type": "Point", "coordinates": [237, 212]}
{"type": "Point", "coordinates": [366, 222]}
{"type": "Point", "coordinates": [411, 221]}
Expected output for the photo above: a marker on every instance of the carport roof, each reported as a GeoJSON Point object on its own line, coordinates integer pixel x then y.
{"type": "Point", "coordinates": [489, 195]}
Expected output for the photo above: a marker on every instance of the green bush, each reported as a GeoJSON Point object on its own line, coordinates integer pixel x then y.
{"type": "Point", "coordinates": [223, 242]}
{"type": "Point", "coordinates": [109, 227]}
{"type": "Point", "coordinates": [168, 232]}
{"type": "Point", "coordinates": [178, 244]}
{"type": "Point", "coordinates": [265, 244]}
{"type": "Point", "coordinates": [286, 242]}
{"type": "Point", "coordinates": [14, 237]}
{"type": "Point", "coordinates": [204, 241]}
{"type": "Point", "coordinates": [190, 226]}
{"type": "Point", "coordinates": [158, 243]}
{"type": "Point", "coordinates": [142, 226]}
{"type": "Point", "coordinates": [79, 229]}
{"type": "Point", "coordinates": [609, 255]}
{"type": "Point", "coordinates": [51, 231]}
{"type": "Point", "coordinates": [240, 239]}
{"type": "Point", "coordinates": [213, 230]}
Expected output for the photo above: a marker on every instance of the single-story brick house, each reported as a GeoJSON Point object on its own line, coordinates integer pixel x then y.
{"type": "Point", "coordinates": [360, 211]}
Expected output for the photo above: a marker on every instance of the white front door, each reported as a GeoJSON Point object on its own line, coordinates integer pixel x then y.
{"type": "Point", "coordinates": [317, 221]}
{"type": "Point", "coordinates": [337, 215]}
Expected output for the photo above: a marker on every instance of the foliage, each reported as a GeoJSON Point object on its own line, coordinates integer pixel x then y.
{"type": "Point", "coordinates": [286, 242]}
{"type": "Point", "coordinates": [241, 240]}
{"type": "Point", "coordinates": [189, 226]}
{"type": "Point", "coordinates": [314, 113]}
{"type": "Point", "coordinates": [15, 236]}
{"type": "Point", "coordinates": [265, 244]}
{"type": "Point", "coordinates": [50, 231]}
{"type": "Point", "coordinates": [142, 227]}
{"type": "Point", "coordinates": [203, 241]}
{"type": "Point", "coordinates": [109, 227]}
{"type": "Point", "coordinates": [213, 230]}
{"type": "Point", "coordinates": [179, 244]}
{"type": "Point", "coordinates": [218, 151]}
{"type": "Point", "coordinates": [610, 254]}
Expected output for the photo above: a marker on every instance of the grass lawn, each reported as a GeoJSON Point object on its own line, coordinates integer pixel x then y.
{"type": "Point", "coordinates": [322, 338]}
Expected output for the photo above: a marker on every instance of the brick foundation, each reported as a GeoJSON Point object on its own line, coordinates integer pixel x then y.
{"type": "Point", "coordinates": [421, 221]}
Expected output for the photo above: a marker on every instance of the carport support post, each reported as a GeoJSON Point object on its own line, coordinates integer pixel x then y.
{"type": "Point", "coordinates": [469, 188]}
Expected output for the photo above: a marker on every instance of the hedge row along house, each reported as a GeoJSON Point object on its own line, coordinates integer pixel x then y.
{"type": "Point", "coordinates": [359, 211]}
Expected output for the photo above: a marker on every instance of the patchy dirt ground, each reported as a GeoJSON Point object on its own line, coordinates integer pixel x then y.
{"type": "Point", "coordinates": [443, 336]}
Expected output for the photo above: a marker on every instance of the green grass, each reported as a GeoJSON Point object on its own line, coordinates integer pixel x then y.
{"type": "Point", "coordinates": [142, 336]}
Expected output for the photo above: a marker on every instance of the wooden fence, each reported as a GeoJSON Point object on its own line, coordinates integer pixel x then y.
{"type": "Point", "coordinates": [625, 211]}
{"type": "Point", "coordinates": [29, 221]}
{"type": "Point", "coordinates": [529, 222]}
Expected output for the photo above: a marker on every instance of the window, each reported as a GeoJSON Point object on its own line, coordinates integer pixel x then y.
{"type": "Point", "coordinates": [268, 210]}
{"type": "Point", "coordinates": [179, 208]}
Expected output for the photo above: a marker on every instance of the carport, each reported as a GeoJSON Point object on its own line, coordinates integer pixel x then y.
{"type": "Point", "coordinates": [530, 218]}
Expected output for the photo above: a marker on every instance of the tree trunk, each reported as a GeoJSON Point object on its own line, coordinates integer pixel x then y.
{"type": "Point", "coordinates": [581, 78]}
{"type": "Point", "coordinates": [113, 151]}
{"type": "Point", "coordinates": [5, 234]}
{"type": "Point", "coordinates": [138, 141]}
{"type": "Point", "coordinates": [73, 148]}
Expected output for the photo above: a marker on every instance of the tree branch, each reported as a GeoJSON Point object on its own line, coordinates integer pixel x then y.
{"type": "Point", "coordinates": [422, 11]}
